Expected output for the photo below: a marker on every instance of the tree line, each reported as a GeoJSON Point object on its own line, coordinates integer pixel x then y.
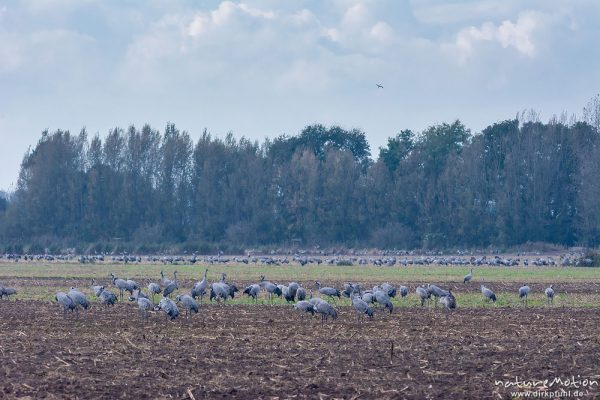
{"type": "Point", "coordinates": [517, 181]}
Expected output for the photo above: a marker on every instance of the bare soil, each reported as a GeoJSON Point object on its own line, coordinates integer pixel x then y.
{"type": "Point", "coordinates": [245, 351]}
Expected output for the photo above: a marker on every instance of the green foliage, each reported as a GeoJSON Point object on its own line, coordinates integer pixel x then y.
{"type": "Point", "coordinates": [149, 191]}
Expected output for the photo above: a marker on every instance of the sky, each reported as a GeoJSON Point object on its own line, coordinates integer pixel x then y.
{"type": "Point", "coordinates": [263, 68]}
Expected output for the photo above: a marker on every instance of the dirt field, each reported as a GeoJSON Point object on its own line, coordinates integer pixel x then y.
{"type": "Point", "coordinates": [244, 351]}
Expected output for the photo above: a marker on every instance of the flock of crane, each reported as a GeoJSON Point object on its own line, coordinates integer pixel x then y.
{"type": "Point", "coordinates": [365, 302]}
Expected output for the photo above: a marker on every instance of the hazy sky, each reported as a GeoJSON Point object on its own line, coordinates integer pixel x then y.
{"type": "Point", "coordinates": [264, 68]}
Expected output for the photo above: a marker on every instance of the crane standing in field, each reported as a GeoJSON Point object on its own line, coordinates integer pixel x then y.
{"type": "Point", "coordinates": [550, 294]}
{"type": "Point", "coordinates": [199, 289]}
{"type": "Point", "coordinates": [423, 294]}
{"type": "Point", "coordinates": [171, 286]}
{"type": "Point", "coordinates": [189, 304]}
{"type": "Point", "coordinates": [488, 294]}
{"type": "Point", "coordinates": [79, 299]}
{"type": "Point", "coordinates": [304, 307]}
{"type": "Point", "coordinates": [361, 307]}
{"type": "Point", "coordinates": [270, 288]}
{"type": "Point", "coordinates": [524, 293]}
{"type": "Point", "coordinates": [253, 291]}
{"type": "Point", "coordinates": [154, 289]}
{"type": "Point", "coordinates": [66, 302]}
{"type": "Point", "coordinates": [403, 292]}
{"type": "Point", "coordinates": [169, 307]}
{"type": "Point", "coordinates": [468, 277]}
{"type": "Point", "coordinates": [144, 304]}
{"type": "Point", "coordinates": [326, 310]}
{"type": "Point", "coordinates": [328, 291]}
{"type": "Point", "coordinates": [121, 284]}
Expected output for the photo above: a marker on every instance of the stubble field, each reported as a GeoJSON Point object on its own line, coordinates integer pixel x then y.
{"type": "Point", "coordinates": [242, 350]}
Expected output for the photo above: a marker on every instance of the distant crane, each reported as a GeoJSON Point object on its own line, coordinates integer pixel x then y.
{"type": "Point", "coordinates": [361, 307]}
{"type": "Point", "coordinates": [169, 307]}
{"type": "Point", "coordinates": [121, 284]}
{"type": "Point", "coordinates": [107, 298]}
{"type": "Point", "coordinates": [468, 277]}
{"type": "Point", "coordinates": [383, 300]}
{"type": "Point", "coordinates": [550, 294]}
{"type": "Point", "coordinates": [488, 294]}
{"type": "Point", "coordinates": [523, 293]}
{"type": "Point", "coordinates": [300, 294]}
{"type": "Point", "coordinates": [64, 300]}
{"type": "Point", "coordinates": [304, 307]}
{"type": "Point", "coordinates": [189, 304]}
{"type": "Point", "coordinates": [144, 304]}
{"type": "Point", "coordinates": [403, 292]}
{"type": "Point", "coordinates": [423, 294]}
{"type": "Point", "coordinates": [7, 291]}
{"type": "Point", "coordinates": [79, 299]}
{"type": "Point", "coordinates": [328, 291]}
{"type": "Point", "coordinates": [449, 301]}
{"type": "Point", "coordinates": [154, 289]}
{"type": "Point", "coordinates": [171, 286]}
{"type": "Point", "coordinates": [199, 289]}
{"type": "Point", "coordinates": [253, 291]}
{"type": "Point", "coordinates": [270, 288]}
{"type": "Point", "coordinates": [326, 310]}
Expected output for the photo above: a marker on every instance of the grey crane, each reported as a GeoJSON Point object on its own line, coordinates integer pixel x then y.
{"type": "Point", "coordinates": [64, 300]}
{"type": "Point", "coordinates": [368, 297]}
{"type": "Point", "coordinates": [383, 300]}
{"type": "Point", "coordinates": [220, 291]}
{"type": "Point", "coordinates": [488, 294]}
{"type": "Point", "coordinates": [328, 291]}
{"type": "Point", "coordinates": [348, 290]}
{"type": "Point", "coordinates": [199, 289]}
{"type": "Point", "coordinates": [121, 284]}
{"type": "Point", "coordinates": [523, 293]}
{"type": "Point", "coordinates": [252, 291]}
{"type": "Point", "coordinates": [7, 291]}
{"type": "Point", "coordinates": [403, 292]}
{"type": "Point", "coordinates": [316, 300]}
{"type": "Point", "coordinates": [361, 307]}
{"type": "Point", "coordinates": [389, 289]}
{"type": "Point", "coordinates": [437, 291]}
{"type": "Point", "coordinates": [171, 287]}
{"type": "Point", "coordinates": [169, 307]}
{"type": "Point", "coordinates": [468, 277]}
{"type": "Point", "coordinates": [304, 307]}
{"type": "Point", "coordinates": [138, 294]}
{"type": "Point", "coordinates": [285, 292]}
{"type": "Point", "coordinates": [154, 289]}
{"type": "Point", "coordinates": [550, 294]}
{"type": "Point", "coordinates": [106, 297]}
{"type": "Point", "coordinates": [423, 294]}
{"type": "Point", "coordinates": [270, 288]}
{"type": "Point", "coordinates": [132, 286]}
{"type": "Point", "coordinates": [163, 280]}
{"type": "Point", "coordinates": [144, 304]}
{"type": "Point", "coordinates": [293, 289]}
{"type": "Point", "coordinates": [189, 304]}
{"type": "Point", "coordinates": [97, 289]}
{"type": "Point", "coordinates": [326, 310]}
{"type": "Point", "coordinates": [79, 298]}
{"type": "Point", "coordinates": [301, 294]}
{"type": "Point", "coordinates": [448, 301]}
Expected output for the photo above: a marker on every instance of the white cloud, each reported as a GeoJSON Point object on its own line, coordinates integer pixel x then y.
{"type": "Point", "coordinates": [436, 12]}
{"type": "Point", "coordinates": [508, 34]}
{"type": "Point", "coordinates": [356, 15]}
{"type": "Point", "coordinates": [11, 56]}
{"type": "Point", "coordinates": [382, 32]}
{"type": "Point", "coordinates": [226, 13]}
